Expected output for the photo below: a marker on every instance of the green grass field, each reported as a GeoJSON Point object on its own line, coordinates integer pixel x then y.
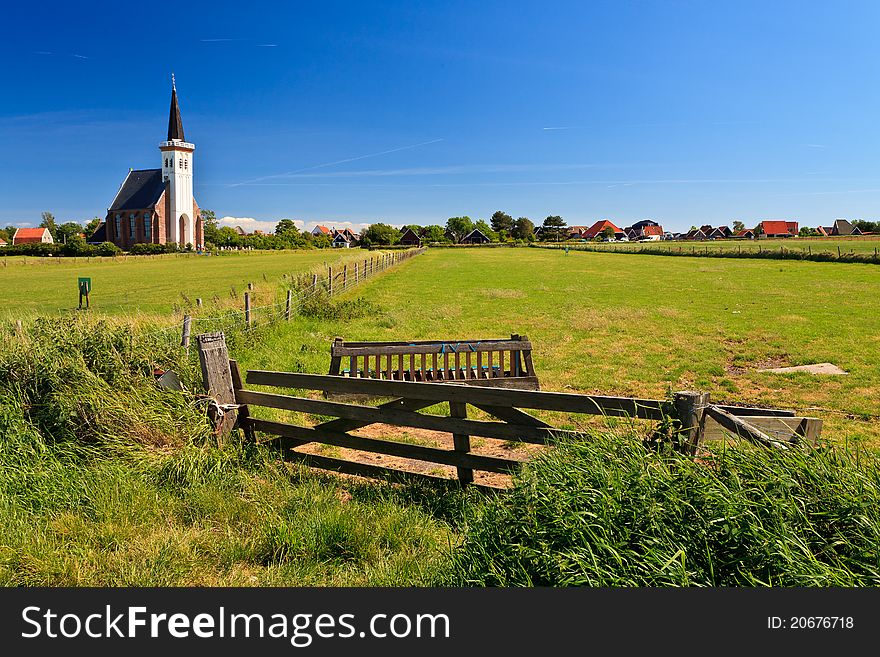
{"type": "Point", "coordinates": [108, 479]}
{"type": "Point", "coordinates": [633, 325]}
{"type": "Point", "coordinates": [144, 285]}
{"type": "Point", "coordinates": [867, 245]}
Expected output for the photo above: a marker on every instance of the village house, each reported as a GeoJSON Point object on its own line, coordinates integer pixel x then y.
{"type": "Point", "coordinates": [746, 233]}
{"type": "Point", "coordinates": [598, 229]}
{"type": "Point", "coordinates": [576, 232]}
{"type": "Point", "coordinates": [720, 233]}
{"type": "Point", "coordinates": [409, 238]}
{"type": "Point", "coordinates": [476, 236]}
{"type": "Point", "coordinates": [3, 243]}
{"type": "Point", "coordinates": [32, 236]}
{"type": "Point", "coordinates": [778, 228]}
{"type": "Point", "coordinates": [321, 230]}
{"type": "Point", "coordinates": [156, 206]}
{"type": "Point", "coordinates": [645, 230]}
{"type": "Point", "coordinates": [840, 227]}
{"type": "Point", "coordinates": [698, 234]}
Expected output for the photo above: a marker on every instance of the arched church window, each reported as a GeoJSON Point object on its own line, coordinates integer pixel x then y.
{"type": "Point", "coordinates": [148, 226]}
{"type": "Point", "coordinates": [131, 223]}
{"type": "Point", "coordinates": [118, 226]}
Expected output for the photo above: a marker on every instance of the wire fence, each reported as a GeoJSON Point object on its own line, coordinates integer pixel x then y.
{"type": "Point", "coordinates": [335, 280]}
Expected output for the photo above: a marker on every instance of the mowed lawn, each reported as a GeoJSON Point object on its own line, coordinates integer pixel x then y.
{"type": "Point", "coordinates": [142, 285]}
{"type": "Point", "coordinates": [633, 325]}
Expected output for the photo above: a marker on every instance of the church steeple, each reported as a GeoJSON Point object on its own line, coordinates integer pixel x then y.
{"type": "Point", "coordinates": [175, 124]}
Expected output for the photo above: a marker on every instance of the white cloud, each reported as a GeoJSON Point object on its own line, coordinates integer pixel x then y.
{"type": "Point", "coordinates": [250, 224]}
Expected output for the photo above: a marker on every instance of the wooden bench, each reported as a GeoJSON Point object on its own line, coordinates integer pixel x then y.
{"type": "Point", "coordinates": [494, 363]}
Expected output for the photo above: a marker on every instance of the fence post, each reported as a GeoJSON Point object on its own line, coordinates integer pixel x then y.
{"type": "Point", "coordinates": [19, 331]}
{"type": "Point", "coordinates": [344, 276]}
{"type": "Point", "coordinates": [287, 306]}
{"type": "Point", "coordinates": [314, 282]}
{"type": "Point", "coordinates": [461, 442]}
{"type": "Point", "coordinates": [199, 302]}
{"type": "Point", "coordinates": [217, 380]}
{"type": "Point", "coordinates": [330, 281]}
{"type": "Point", "coordinates": [184, 338]}
{"type": "Point", "coordinates": [691, 410]}
{"type": "Point", "coordinates": [365, 267]}
{"type": "Point", "coordinates": [355, 273]}
{"type": "Point", "coordinates": [247, 308]}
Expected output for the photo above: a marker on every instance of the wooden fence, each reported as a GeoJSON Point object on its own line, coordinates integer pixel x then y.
{"type": "Point", "coordinates": [495, 363]}
{"type": "Point", "coordinates": [693, 411]}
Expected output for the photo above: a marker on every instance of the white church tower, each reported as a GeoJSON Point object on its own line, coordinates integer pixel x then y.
{"type": "Point", "coordinates": [177, 172]}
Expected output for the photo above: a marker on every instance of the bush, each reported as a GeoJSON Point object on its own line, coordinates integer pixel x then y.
{"type": "Point", "coordinates": [108, 249]}
{"type": "Point", "coordinates": [147, 249]}
{"type": "Point", "coordinates": [604, 511]}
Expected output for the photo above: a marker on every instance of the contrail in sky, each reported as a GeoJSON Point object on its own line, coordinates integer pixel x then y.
{"type": "Point", "coordinates": [334, 163]}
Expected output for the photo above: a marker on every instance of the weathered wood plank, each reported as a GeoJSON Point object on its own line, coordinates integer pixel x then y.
{"type": "Point", "coordinates": [461, 442]}
{"type": "Point", "coordinates": [742, 429]}
{"type": "Point", "coordinates": [217, 377]}
{"type": "Point", "coordinates": [690, 407]}
{"type": "Point", "coordinates": [789, 429]}
{"type": "Point", "coordinates": [375, 471]}
{"type": "Point", "coordinates": [746, 411]}
{"type": "Point", "coordinates": [394, 415]}
{"type": "Point", "coordinates": [243, 411]}
{"type": "Point", "coordinates": [359, 349]}
{"type": "Point", "coordinates": [294, 436]}
{"type": "Point", "coordinates": [649, 409]}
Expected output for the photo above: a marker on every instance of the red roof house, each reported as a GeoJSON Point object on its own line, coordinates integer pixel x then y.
{"type": "Point", "coordinates": [777, 228]}
{"type": "Point", "coordinates": [599, 226]}
{"type": "Point", "coordinates": [32, 236]}
{"type": "Point", "coordinates": [319, 230]}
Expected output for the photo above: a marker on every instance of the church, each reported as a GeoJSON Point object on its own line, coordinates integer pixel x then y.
{"type": "Point", "coordinates": [156, 206]}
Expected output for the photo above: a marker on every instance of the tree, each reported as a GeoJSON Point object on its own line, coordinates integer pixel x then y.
{"type": "Point", "coordinates": [284, 226]}
{"type": "Point", "coordinates": [502, 222]}
{"type": "Point", "coordinates": [381, 234]}
{"type": "Point", "coordinates": [209, 226]}
{"type": "Point", "coordinates": [554, 227]}
{"type": "Point", "coordinates": [738, 226]}
{"type": "Point", "coordinates": [807, 232]}
{"type": "Point", "coordinates": [49, 222]}
{"type": "Point", "coordinates": [523, 229]}
{"type": "Point", "coordinates": [867, 226]}
{"type": "Point", "coordinates": [92, 226]}
{"type": "Point", "coordinates": [65, 231]}
{"type": "Point", "coordinates": [459, 227]}
{"type": "Point", "coordinates": [608, 233]}
{"type": "Point", "coordinates": [434, 234]}
{"type": "Point", "coordinates": [413, 227]}
{"type": "Point", "coordinates": [484, 228]}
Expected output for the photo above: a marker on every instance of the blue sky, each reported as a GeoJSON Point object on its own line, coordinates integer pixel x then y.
{"type": "Point", "coordinates": [684, 112]}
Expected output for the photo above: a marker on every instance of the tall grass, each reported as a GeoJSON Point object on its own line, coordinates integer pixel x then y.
{"type": "Point", "coordinates": [604, 511]}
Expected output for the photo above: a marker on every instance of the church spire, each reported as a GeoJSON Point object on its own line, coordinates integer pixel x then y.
{"type": "Point", "coordinates": [175, 125]}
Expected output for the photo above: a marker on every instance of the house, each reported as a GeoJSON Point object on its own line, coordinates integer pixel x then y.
{"type": "Point", "coordinates": [321, 230]}
{"type": "Point", "coordinates": [410, 238]}
{"type": "Point", "coordinates": [349, 235]}
{"type": "Point", "coordinates": [341, 241]}
{"type": "Point", "coordinates": [651, 234]}
{"type": "Point", "coordinates": [746, 234]}
{"type": "Point", "coordinates": [824, 231]}
{"type": "Point", "coordinates": [778, 228]}
{"type": "Point", "coordinates": [476, 236]}
{"type": "Point", "coordinates": [241, 231]}
{"type": "Point", "coordinates": [599, 227]}
{"type": "Point", "coordinates": [720, 233]}
{"type": "Point", "coordinates": [32, 236]}
{"type": "Point", "coordinates": [539, 230]}
{"type": "Point", "coordinates": [576, 232]}
{"type": "Point", "coordinates": [644, 230]}
{"type": "Point", "coordinates": [156, 206]}
{"type": "Point", "coordinates": [843, 227]}
{"type": "Point", "coordinates": [696, 234]}
{"type": "Point", "coordinates": [100, 234]}
{"type": "Point", "coordinates": [3, 243]}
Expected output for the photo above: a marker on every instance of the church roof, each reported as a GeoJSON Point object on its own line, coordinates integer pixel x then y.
{"type": "Point", "coordinates": [100, 234]}
{"type": "Point", "coordinates": [140, 189]}
{"type": "Point", "coordinates": [175, 124]}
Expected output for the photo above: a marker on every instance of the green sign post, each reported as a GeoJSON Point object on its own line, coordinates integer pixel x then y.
{"type": "Point", "coordinates": [85, 286]}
